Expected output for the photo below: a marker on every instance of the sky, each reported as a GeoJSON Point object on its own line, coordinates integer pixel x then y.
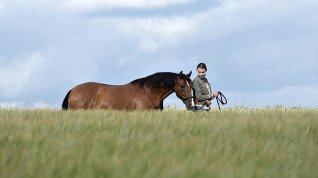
{"type": "Point", "coordinates": [258, 53]}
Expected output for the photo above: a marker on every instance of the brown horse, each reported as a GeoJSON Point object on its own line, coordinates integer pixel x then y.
{"type": "Point", "coordinates": [141, 94]}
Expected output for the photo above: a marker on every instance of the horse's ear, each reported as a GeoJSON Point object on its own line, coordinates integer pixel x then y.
{"type": "Point", "coordinates": [181, 75]}
{"type": "Point", "coordinates": [189, 74]}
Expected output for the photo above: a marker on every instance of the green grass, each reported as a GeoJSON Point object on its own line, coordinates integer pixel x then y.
{"type": "Point", "coordinates": [241, 142]}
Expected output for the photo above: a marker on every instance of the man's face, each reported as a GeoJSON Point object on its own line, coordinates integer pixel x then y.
{"type": "Point", "coordinates": [201, 73]}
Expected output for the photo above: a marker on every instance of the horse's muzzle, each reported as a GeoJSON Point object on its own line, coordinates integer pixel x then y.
{"type": "Point", "coordinates": [188, 103]}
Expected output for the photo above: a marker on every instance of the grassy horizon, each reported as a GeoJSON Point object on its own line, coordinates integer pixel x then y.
{"type": "Point", "coordinates": [250, 142]}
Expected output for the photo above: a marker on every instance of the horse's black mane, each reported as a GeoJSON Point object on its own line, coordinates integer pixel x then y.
{"type": "Point", "coordinates": [159, 80]}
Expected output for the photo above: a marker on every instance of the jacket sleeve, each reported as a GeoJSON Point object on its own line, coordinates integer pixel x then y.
{"type": "Point", "coordinates": [197, 91]}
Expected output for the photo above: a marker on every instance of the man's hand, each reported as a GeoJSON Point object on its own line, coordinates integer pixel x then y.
{"type": "Point", "coordinates": [216, 94]}
{"type": "Point", "coordinates": [207, 102]}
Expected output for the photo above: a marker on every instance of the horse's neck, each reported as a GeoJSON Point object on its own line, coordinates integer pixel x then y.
{"type": "Point", "coordinates": [167, 93]}
{"type": "Point", "coordinates": [161, 94]}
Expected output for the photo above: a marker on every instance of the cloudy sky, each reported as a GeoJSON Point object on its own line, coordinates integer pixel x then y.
{"type": "Point", "coordinates": [258, 53]}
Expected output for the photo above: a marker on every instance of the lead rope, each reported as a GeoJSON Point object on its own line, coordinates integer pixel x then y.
{"type": "Point", "coordinates": [221, 99]}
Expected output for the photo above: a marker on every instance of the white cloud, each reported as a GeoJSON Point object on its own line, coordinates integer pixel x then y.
{"type": "Point", "coordinates": [26, 4]}
{"type": "Point", "coordinates": [86, 5]}
{"type": "Point", "coordinates": [274, 58]}
{"type": "Point", "coordinates": [306, 96]}
{"type": "Point", "coordinates": [18, 72]}
{"type": "Point", "coordinates": [28, 75]}
{"type": "Point", "coordinates": [154, 32]}
{"type": "Point", "coordinates": [1, 7]}
{"type": "Point", "coordinates": [233, 16]}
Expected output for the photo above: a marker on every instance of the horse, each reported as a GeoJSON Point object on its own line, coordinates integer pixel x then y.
{"type": "Point", "coordinates": [141, 94]}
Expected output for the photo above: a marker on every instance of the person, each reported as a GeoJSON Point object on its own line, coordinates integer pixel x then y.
{"type": "Point", "coordinates": [202, 89]}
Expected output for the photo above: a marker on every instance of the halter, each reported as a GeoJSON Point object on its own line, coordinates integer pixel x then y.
{"type": "Point", "coordinates": [190, 96]}
{"type": "Point", "coordinates": [187, 98]}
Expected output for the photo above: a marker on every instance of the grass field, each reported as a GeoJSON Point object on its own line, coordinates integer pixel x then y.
{"type": "Point", "coordinates": [242, 142]}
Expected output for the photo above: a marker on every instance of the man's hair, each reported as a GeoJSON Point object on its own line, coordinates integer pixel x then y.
{"type": "Point", "coordinates": [202, 66]}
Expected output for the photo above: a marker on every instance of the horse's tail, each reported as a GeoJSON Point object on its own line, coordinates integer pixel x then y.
{"type": "Point", "coordinates": [65, 101]}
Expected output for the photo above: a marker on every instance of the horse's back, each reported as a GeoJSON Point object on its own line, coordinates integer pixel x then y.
{"type": "Point", "coordinates": [92, 95]}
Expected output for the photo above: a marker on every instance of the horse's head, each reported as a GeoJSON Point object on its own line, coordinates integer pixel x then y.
{"type": "Point", "coordinates": [183, 88]}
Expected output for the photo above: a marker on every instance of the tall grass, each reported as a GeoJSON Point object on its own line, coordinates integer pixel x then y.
{"type": "Point", "coordinates": [269, 142]}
